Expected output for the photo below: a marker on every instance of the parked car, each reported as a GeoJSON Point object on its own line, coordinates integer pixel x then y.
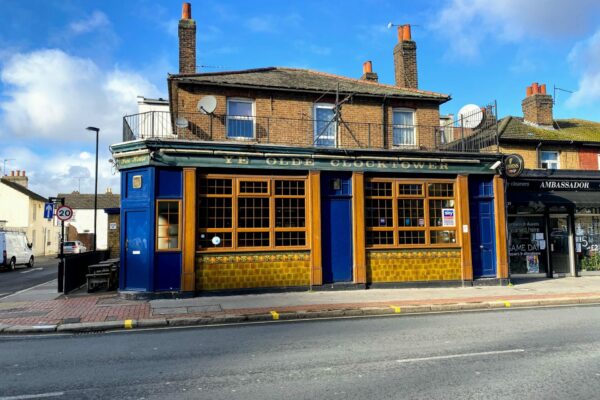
{"type": "Point", "coordinates": [15, 250]}
{"type": "Point", "coordinates": [74, 247]}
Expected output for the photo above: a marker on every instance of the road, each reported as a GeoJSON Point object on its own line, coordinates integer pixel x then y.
{"type": "Point", "coordinates": [44, 270]}
{"type": "Point", "coordinates": [550, 353]}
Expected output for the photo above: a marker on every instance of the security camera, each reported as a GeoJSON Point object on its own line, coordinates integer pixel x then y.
{"type": "Point", "coordinates": [496, 165]}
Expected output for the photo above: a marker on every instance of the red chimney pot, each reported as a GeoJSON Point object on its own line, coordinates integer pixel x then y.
{"type": "Point", "coordinates": [406, 35]}
{"type": "Point", "coordinates": [543, 88]}
{"type": "Point", "coordinates": [367, 67]}
{"type": "Point", "coordinates": [528, 91]}
{"type": "Point", "coordinates": [186, 11]}
{"type": "Point", "coordinates": [535, 87]}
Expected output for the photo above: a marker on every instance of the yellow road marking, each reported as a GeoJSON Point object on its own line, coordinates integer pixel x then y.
{"type": "Point", "coordinates": [396, 309]}
{"type": "Point", "coordinates": [128, 324]}
{"type": "Point", "coordinates": [275, 315]}
{"type": "Point", "coordinates": [506, 304]}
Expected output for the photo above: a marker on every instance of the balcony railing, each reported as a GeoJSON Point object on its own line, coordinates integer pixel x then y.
{"type": "Point", "coordinates": [305, 132]}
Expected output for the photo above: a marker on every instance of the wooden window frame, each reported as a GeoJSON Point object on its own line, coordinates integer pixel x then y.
{"type": "Point", "coordinates": [179, 230]}
{"type": "Point", "coordinates": [241, 118]}
{"type": "Point", "coordinates": [272, 229]}
{"type": "Point", "coordinates": [426, 228]}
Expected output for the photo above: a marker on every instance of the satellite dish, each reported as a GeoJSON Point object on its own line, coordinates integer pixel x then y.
{"type": "Point", "coordinates": [181, 122]}
{"type": "Point", "coordinates": [470, 116]}
{"type": "Point", "coordinates": [207, 104]}
{"type": "Point", "coordinates": [389, 25]}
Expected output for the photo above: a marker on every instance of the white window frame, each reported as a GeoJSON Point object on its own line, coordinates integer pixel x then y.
{"type": "Point", "coordinates": [556, 163]}
{"type": "Point", "coordinates": [241, 118]}
{"type": "Point", "coordinates": [327, 106]}
{"type": "Point", "coordinates": [414, 127]}
{"type": "Point", "coordinates": [598, 161]}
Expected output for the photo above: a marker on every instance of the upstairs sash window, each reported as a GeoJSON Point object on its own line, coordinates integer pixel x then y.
{"type": "Point", "coordinates": [240, 119]}
{"type": "Point", "coordinates": [404, 127]}
{"type": "Point", "coordinates": [325, 125]}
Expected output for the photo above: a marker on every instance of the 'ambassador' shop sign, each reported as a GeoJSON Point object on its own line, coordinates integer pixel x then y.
{"type": "Point", "coordinates": [555, 185]}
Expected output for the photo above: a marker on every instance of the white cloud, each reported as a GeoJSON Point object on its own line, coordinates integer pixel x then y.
{"type": "Point", "coordinates": [585, 58]}
{"type": "Point", "coordinates": [49, 98]}
{"type": "Point", "coordinates": [468, 24]}
{"type": "Point", "coordinates": [53, 95]}
{"type": "Point", "coordinates": [95, 21]}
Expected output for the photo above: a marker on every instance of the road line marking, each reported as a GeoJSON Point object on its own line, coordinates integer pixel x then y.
{"type": "Point", "coordinates": [484, 353]}
{"type": "Point", "coordinates": [31, 270]}
{"type": "Point", "coordinates": [33, 396]}
{"type": "Point", "coordinates": [128, 324]}
{"type": "Point", "coordinates": [26, 290]}
{"type": "Point", "coordinates": [507, 304]}
{"type": "Point", "coordinates": [396, 309]}
{"type": "Point", "coordinates": [275, 315]}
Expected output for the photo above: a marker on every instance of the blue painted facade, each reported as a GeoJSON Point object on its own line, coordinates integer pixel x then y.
{"type": "Point", "coordinates": [143, 269]}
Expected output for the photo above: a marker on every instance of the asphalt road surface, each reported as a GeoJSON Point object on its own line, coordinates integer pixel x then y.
{"type": "Point", "coordinates": [44, 270]}
{"type": "Point", "coordinates": [550, 353]}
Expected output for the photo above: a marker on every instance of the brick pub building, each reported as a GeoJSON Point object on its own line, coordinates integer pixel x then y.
{"type": "Point", "coordinates": [283, 178]}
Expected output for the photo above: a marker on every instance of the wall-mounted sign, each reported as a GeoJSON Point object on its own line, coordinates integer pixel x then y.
{"type": "Point", "coordinates": [513, 165]}
{"type": "Point", "coordinates": [549, 185]}
{"type": "Point", "coordinates": [136, 182]}
{"type": "Point", "coordinates": [112, 226]}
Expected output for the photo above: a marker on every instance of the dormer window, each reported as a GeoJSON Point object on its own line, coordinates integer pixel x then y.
{"type": "Point", "coordinates": [240, 118]}
{"type": "Point", "coordinates": [403, 120]}
{"type": "Point", "coordinates": [550, 160]}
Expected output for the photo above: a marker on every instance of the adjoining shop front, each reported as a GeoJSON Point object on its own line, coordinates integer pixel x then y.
{"type": "Point", "coordinates": [554, 223]}
{"type": "Point", "coordinates": [236, 219]}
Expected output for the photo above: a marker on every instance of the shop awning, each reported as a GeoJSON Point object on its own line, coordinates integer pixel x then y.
{"type": "Point", "coordinates": [581, 199]}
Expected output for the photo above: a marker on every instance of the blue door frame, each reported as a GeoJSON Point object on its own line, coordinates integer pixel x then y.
{"type": "Point", "coordinates": [336, 225]}
{"type": "Point", "coordinates": [136, 250]}
{"type": "Point", "coordinates": [483, 230]}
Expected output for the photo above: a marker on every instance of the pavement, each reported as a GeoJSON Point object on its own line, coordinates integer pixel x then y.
{"type": "Point", "coordinates": [23, 278]}
{"type": "Point", "coordinates": [109, 311]}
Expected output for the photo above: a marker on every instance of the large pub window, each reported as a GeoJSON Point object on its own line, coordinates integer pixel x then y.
{"type": "Point", "coordinates": [248, 213]}
{"type": "Point", "coordinates": [401, 213]}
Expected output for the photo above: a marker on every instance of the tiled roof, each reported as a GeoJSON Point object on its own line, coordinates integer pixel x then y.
{"type": "Point", "coordinates": [306, 80]}
{"type": "Point", "coordinates": [80, 201]}
{"type": "Point", "coordinates": [576, 130]}
{"type": "Point", "coordinates": [24, 190]}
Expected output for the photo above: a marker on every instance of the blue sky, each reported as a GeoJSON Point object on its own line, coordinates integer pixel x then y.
{"type": "Point", "coordinates": [65, 65]}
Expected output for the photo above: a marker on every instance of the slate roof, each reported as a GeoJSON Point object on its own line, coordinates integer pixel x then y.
{"type": "Point", "coordinates": [305, 80]}
{"type": "Point", "coordinates": [24, 190]}
{"type": "Point", "coordinates": [83, 201]}
{"type": "Point", "coordinates": [568, 130]}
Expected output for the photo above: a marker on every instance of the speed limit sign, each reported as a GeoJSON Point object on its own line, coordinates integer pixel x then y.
{"type": "Point", "coordinates": [64, 213]}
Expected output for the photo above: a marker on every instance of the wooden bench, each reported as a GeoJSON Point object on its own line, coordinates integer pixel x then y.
{"type": "Point", "coordinates": [103, 274]}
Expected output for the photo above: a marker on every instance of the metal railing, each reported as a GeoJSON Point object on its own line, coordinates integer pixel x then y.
{"type": "Point", "coordinates": [306, 132]}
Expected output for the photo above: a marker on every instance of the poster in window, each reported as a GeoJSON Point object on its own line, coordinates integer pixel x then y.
{"type": "Point", "coordinates": [448, 217]}
{"type": "Point", "coordinates": [533, 264]}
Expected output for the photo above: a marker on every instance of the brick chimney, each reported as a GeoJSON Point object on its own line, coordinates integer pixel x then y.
{"type": "Point", "coordinates": [405, 59]}
{"type": "Point", "coordinates": [18, 177]}
{"type": "Point", "coordinates": [537, 105]}
{"type": "Point", "coordinates": [187, 41]}
{"type": "Point", "coordinates": [368, 74]}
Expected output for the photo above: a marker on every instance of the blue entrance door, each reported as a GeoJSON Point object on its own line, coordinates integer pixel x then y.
{"type": "Point", "coordinates": [483, 238]}
{"type": "Point", "coordinates": [336, 226]}
{"type": "Point", "coordinates": [136, 266]}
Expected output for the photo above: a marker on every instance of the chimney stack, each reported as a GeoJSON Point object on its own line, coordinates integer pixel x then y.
{"type": "Point", "coordinates": [405, 59]}
{"type": "Point", "coordinates": [17, 177]}
{"type": "Point", "coordinates": [368, 74]}
{"type": "Point", "coordinates": [187, 41]}
{"type": "Point", "coordinates": [537, 106]}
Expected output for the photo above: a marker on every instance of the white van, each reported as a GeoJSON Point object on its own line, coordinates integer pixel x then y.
{"type": "Point", "coordinates": [15, 250]}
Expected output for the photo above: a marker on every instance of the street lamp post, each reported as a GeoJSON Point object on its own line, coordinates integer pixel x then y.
{"type": "Point", "coordinates": [94, 129]}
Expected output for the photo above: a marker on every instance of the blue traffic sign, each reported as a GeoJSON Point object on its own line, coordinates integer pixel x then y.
{"type": "Point", "coordinates": [48, 210]}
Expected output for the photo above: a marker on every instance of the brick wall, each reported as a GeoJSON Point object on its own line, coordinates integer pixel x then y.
{"type": "Point", "coordinates": [588, 159]}
{"type": "Point", "coordinates": [569, 157]}
{"type": "Point", "coordinates": [287, 118]}
{"type": "Point", "coordinates": [255, 270]}
{"type": "Point", "coordinates": [405, 64]}
{"type": "Point", "coordinates": [114, 235]}
{"type": "Point", "coordinates": [537, 109]}
{"type": "Point", "coordinates": [413, 265]}
{"type": "Point", "coordinates": [187, 46]}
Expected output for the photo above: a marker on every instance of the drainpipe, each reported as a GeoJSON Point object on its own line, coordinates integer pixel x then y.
{"type": "Point", "coordinates": [537, 154]}
{"type": "Point", "coordinates": [384, 122]}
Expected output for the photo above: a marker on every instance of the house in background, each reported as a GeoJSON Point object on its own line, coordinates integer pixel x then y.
{"type": "Point", "coordinates": [554, 205]}
{"type": "Point", "coordinates": [81, 226]}
{"type": "Point", "coordinates": [23, 210]}
{"type": "Point", "coordinates": [276, 177]}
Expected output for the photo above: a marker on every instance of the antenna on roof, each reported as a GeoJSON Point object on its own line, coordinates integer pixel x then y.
{"type": "Point", "coordinates": [336, 120]}
{"type": "Point", "coordinates": [561, 90]}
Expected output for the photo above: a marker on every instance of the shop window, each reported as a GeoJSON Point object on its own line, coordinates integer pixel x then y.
{"type": "Point", "coordinates": [270, 213]}
{"type": "Point", "coordinates": [168, 222]}
{"type": "Point", "coordinates": [240, 119]}
{"type": "Point", "coordinates": [403, 214]}
{"type": "Point", "coordinates": [325, 125]}
{"type": "Point", "coordinates": [403, 121]}
{"type": "Point", "coordinates": [550, 160]}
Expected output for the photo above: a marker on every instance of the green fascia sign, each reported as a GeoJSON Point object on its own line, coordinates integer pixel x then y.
{"type": "Point", "coordinates": [289, 162]}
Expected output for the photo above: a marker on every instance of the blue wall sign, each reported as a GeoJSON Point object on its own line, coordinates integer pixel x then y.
{"type": "Point", "coordinates": [49, 210]}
